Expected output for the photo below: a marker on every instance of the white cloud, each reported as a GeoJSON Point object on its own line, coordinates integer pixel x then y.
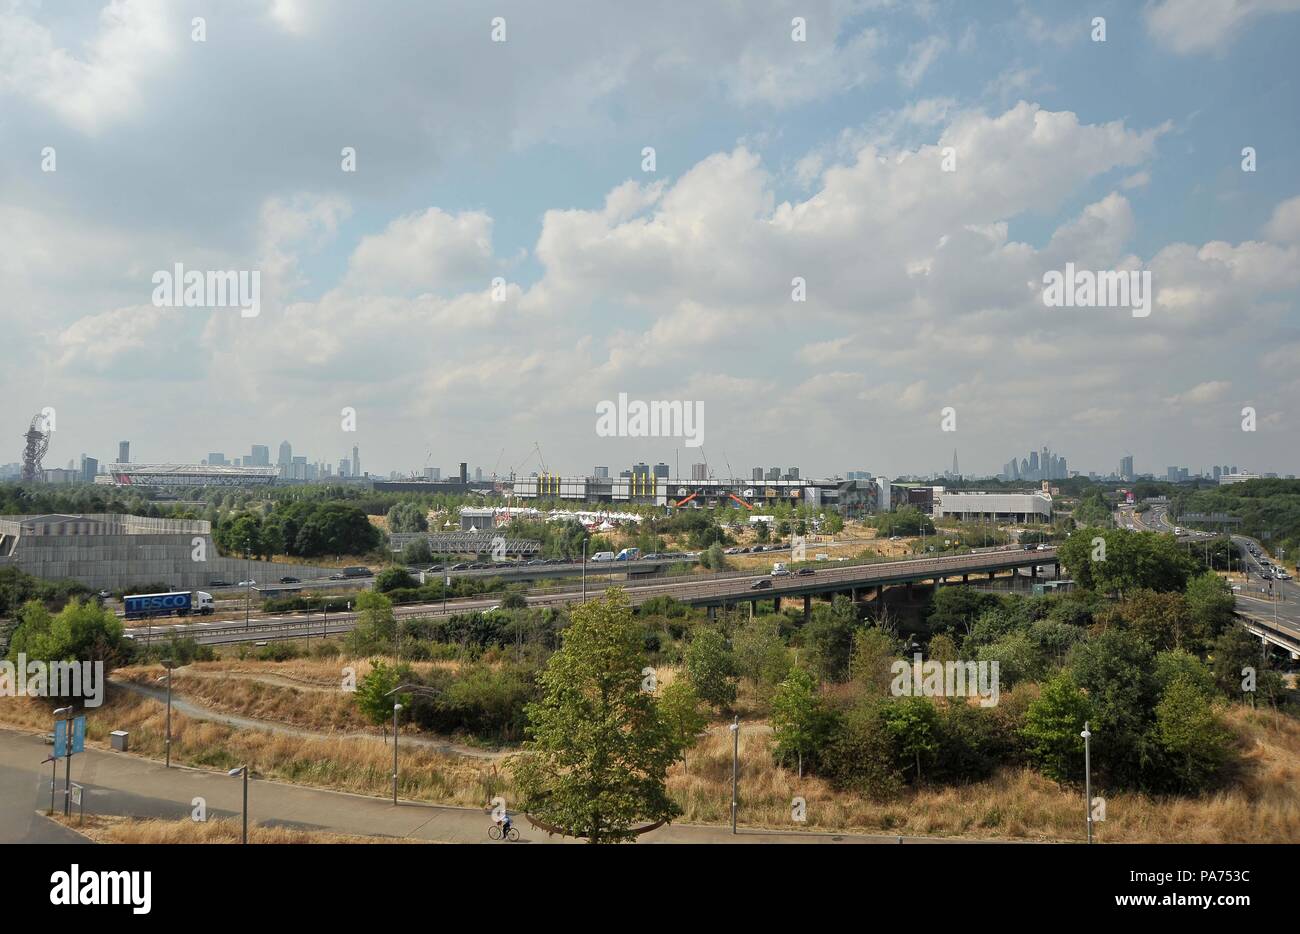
{"type": "Point", "coordinates": [432, 250]}
{"type": "Point", "coordinates": [1188, 26]}
{"type": "Point", "coordinates": [105, 82]}
{"type": "Point", "coordinates": [919, 59]}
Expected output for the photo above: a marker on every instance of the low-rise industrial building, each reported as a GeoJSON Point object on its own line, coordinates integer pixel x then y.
{"type": "Point", "coordinates": [1012, 507]}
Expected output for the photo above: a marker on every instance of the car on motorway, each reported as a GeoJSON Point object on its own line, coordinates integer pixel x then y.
{"type": "Point", "coordinates": [247, 583]}
{"type": "Point", "coordinates": [762, 583]}
{"type": "Point", "coordinates": [805, 572]}
{"type": "Point", "coordinates": [219, 583]}
{"type": "Point", "coordinates": [1282, 575]}
{"type": "Point", "coordinates": [459, 567]}
{"type": "Point", "coordinates": [779, 569]}
{"type": "Point", "coordinates": [290, 580]}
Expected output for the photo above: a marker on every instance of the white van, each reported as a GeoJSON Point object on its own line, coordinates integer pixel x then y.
{"type": "Point", "coordinates": [603, 556]}
{"type": "Point", "coordinates": [779, 569]}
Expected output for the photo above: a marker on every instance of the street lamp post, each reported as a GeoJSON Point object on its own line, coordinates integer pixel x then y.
{"type": "Point", "coordinates": [236, 771]}
{"type": "Point", "coordinates": [735, 769]}
{"type": "Point", "coordinates": [66, 713]}
{"type": "Point", "coordinates": [396, 708]}
{"type": "Point", "coordinates": [1087, 777]}
{"type": "Point", "coordinates": [584, 570]}
{"type": "Point", "coordinates": [167, 743]}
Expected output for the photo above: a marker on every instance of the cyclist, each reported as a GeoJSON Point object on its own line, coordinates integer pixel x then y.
{"type": "Point", "coordinates": [505, 826]}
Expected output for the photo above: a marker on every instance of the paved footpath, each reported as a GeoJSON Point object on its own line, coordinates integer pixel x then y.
{"type": "Point", "coordinates": [123, 784]}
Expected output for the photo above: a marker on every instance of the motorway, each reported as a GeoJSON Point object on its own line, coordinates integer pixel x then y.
{"type": "Point", "coordinates": [1268, 604]}
{"type": "Point", "coordinates": [715, 590]}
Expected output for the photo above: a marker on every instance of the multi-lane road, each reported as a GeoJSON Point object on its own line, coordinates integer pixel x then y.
{"type": "Point", "coordinates": [714, 590]}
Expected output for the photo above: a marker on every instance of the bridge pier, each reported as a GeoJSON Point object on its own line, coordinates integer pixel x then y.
{"type": "Point", "coordinates": [965, 578]}
{"type": "Point", "coordinates": [776, 604]}
{"type": "Point", "coordinates": [713, 613]}
{"type": "Point", "coordinates": [992, 574]}
{"type": "Point", "coordinates": [807, 607]}
{"type": "Point", "coordinates": [1033, 571]}
{"type": "Point", "coordinates": [753, 607]}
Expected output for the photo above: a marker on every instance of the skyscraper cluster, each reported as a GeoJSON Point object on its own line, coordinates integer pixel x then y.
{"type": "Point", "coordinates": [1042, 465]}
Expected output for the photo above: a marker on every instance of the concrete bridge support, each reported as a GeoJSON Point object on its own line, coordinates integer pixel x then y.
{"type": "Point", "coordinates": [807, 607]}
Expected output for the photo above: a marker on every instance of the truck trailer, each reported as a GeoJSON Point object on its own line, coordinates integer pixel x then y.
{"type": "Point", "coordinates": [178, 602]}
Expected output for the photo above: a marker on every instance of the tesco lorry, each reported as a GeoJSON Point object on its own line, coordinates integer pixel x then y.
{"type": "Point", "coordinates": [179, 602]}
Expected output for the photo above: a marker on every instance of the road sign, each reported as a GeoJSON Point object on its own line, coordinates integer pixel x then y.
{"type": "Point", "coordinates": [61, 736]}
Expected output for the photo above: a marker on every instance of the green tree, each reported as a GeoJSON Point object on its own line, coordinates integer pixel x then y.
{"type": "Point", "coordinates": [80, 632]}
{"type": "Point", "coordinates": [417, 552]}
{"type": "Point", "coordinates": [760, 653]}
{"type": "Point", "coordinates": [829, 638]}
{"type": "Point", "coordinates": [682, 711]}
{"type": "Point", "coordinates": [407, 517]}
{"type": "Point", "coordinates": [599, 747]}
{"type": "Point", "coordinates": [1052, 727]}
{"type": "Point", "coordinates": [376, 626]}
{"type": "Point", "coordinates": [800, 724]}
{"type": "Point", "coordinates": [874, 651]}
{"type": "Point", "coordinates": [372, 693]}
{"type": "Point", "coordinates": [711, 667]}
{"type": "Point", "coordinates": [1191, 734]}
{"type": "Point", "coordinates": [913, 722]}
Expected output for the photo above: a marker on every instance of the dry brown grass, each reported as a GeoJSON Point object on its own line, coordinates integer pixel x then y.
{"type": "Point", "coordinates": [340, 763]}
{"type": "Point", "coordinates": [1263, 804]}
{"type": "Point", "coordinates": [114, 829]}
{"type": "Point", "coordinates": [1262, 807]}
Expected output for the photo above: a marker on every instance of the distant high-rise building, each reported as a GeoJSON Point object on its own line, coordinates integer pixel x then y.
{"type": "Point", "coordinates": [286, 453]}
{"type": "Point", "coordinates": [757, 474]}
{"type": "Point", "coordinates": [699, 471]}
{"type": "Point", "coordinates": [216, 459]}
{"type": "Point", "coordinates": [433, 473]}
{"type": "Point", "coordinates": [792, 473]}
{"type": "Point", "coordinates": [124, 452]}
{"type": "Point", "coordinates": [1217, 473]}
{"type": "Point", "coordinates": [601, 473]}
{"type": "Point", "coordinates": [260, 455]}
{"type": "Point", "coordinates": [356, 461]}
{"type": "Point", "coordinates": [774, 473]}
{"type": "Point", "coordinates": [1126, 468]}
{"type": "Point", "coordinates": [464, 472]}
{"type": "Point", "coordinates": [345, 467]}
{"type": "Point", "coordinates": [478, 474]}
{"type": "Point", "coordinates": [661, 471]}
{"type": "Point", "coordinates": [89, 467]}
{"type": "Point", "coordinates": [956, 474]}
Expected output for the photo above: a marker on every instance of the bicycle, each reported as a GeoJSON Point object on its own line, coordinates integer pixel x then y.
{"type": "Point", "coordinates": [494, 833]}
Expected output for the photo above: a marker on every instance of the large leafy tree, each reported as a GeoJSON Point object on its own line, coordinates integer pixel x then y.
{"type": "Point", "coordinates": [711, 667]}
{"type": "Point", "coordinates": [599, 746]}
{"type": "Point", "coordinates": [80, 632]}
{"type": "Point", "coordinates": [1196, 743]}
{"type": "Point", "coordinates": [683, 712]}
{"type": "Point", "coordinates": [800, 721]}
{"type": "Point", "coordinates": [1052, 727]}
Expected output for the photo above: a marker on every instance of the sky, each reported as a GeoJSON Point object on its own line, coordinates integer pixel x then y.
{"type": "Point", "coordinates": [838, 252]}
